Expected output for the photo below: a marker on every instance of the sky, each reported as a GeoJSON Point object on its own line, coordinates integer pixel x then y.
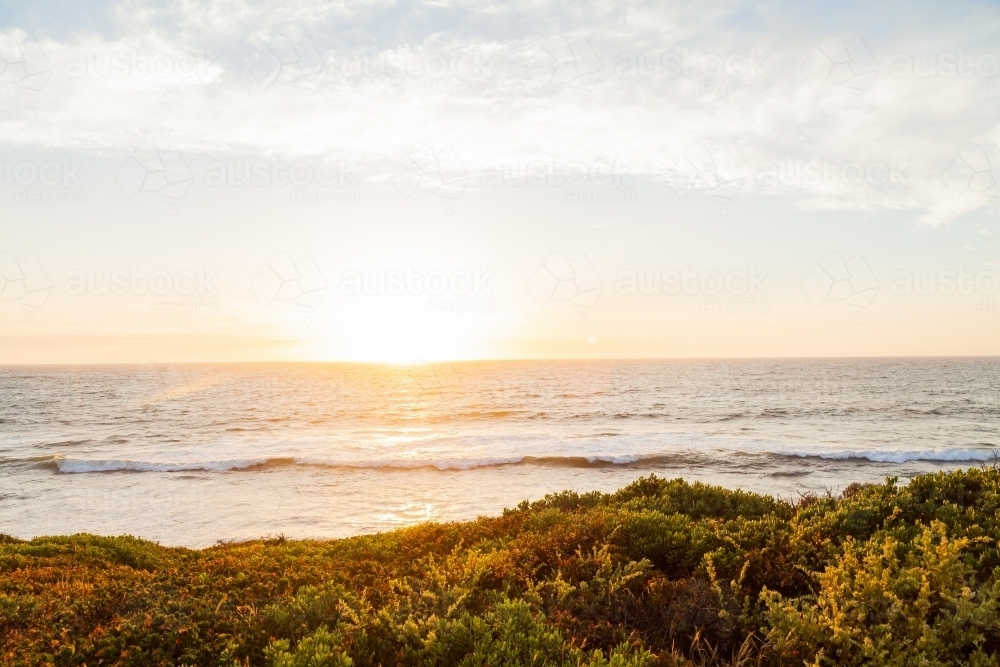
{"type": "Point", "coordinates": [410, 182]}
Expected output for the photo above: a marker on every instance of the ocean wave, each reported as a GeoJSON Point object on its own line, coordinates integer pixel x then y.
{"type": "Point", "coordinates": [79, 466]}
{"type": "Point", "coordinates": [932, 412]}
{"type": "Point", "coordinates": [704, 458]}
{"type": "Point", "coordinates": [65, 443]}
{"type": "Point", "coordinates": [898, 455]}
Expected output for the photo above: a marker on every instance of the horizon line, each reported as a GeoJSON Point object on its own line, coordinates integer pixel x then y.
{"type": "Point", "coordinates": [358, 362]}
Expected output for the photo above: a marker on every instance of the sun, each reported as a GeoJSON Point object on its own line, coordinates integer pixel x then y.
{"type": "Point", "coordinates": [406, 335]}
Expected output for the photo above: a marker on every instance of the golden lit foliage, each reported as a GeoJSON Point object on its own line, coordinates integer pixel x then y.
{"type": "Point", "coordinates": [660, 573]}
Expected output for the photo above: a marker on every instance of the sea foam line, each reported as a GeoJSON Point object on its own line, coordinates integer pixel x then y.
{"type": "Point", "coordinates": [79, 466]}
{"type": "Point", "coordinates": [897, 456]}
{"type": "Point", "coordinates": [67, 465]}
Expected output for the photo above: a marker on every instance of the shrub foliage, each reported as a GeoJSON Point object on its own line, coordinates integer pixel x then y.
{"type": "Point", "coordinates": [660, 573]}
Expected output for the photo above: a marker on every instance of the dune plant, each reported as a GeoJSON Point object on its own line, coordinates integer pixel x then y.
{"type": "Point", "coordinates": [662, 572]}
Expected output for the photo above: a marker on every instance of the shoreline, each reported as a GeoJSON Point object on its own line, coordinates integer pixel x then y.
{"type": "Point", "coordinates": [659, 572]}
{"type": "Point", "coordinates": [195, 511]}
{"type": "Point", "coordinates": [198, 510]}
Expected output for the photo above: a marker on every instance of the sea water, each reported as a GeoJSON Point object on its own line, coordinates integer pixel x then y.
{"type": "Point", "coordinates": [193, 454]}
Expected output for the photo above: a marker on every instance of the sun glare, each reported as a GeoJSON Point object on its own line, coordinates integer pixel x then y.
{"type": "Point", "coordinates": [390, 336]}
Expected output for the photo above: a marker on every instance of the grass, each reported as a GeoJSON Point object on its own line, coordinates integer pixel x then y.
{"type": "Point", "coordinates": [661, 572]}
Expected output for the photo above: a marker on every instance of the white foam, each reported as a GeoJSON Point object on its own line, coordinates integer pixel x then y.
{"type": "Point", "coordinates": [79, 466]}
{"type": "Point", "coordinates": [411, 463]}
{"type": "Point", "coordinates": [896, 455]}
{"type": "Point", "coordinates": [622, 459]}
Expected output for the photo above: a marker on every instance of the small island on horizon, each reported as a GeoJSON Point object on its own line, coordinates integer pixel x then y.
{"type": "Point", "coordinates": [661, 572]}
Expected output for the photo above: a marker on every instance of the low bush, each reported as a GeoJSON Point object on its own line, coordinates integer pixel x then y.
{"type": "Point", "coordinates": [660, 573]}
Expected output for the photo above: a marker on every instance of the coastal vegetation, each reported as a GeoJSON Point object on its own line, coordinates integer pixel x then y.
{"type": "Point", "coordinates": [662, 572]}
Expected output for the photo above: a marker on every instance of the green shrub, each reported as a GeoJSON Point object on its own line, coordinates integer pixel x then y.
{"type": "Point", "coordinates": [890, 603]}
{"type": "Point", "coordinates": [662, 572]}
{"type": "Point", "coordinates": [319, 649]}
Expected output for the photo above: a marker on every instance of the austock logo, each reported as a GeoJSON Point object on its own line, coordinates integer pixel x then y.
{"type": "Point", "coordinates": [974, 172]}
{"type": "Point", "coordinates": [461, 292]}
{"type": "Point", "coordinates": [170, 73]}
{"type": "Point", "coordinates": [158, 171]}
{"type": "Point", "coordinates": [23, 62]}
{"type": "Point", "coordinates": [592, 182]}
{"type": "Point", "coordinates": [24, 281]}
{"type": "Point", "coordinates": [981, 285]}
{"type": "Point", "coordinates": [849, 282]}
{"type": "Point", "coordinates": [288, 60]}
{"type": "Point", "coordinates": [736, 291]}
{"type": "Point", "coordinates": [50, 182]}
{"type": "Point", "coordinates": [286, 280]}
{"type": "Point", "coordinates": [574, 282]}
{"type": "Point", "coordinates": [319, 182]}
{"type": "Point", "coordinates": [576, 64]}
{"type": "Point", "coordinates": [714, 172]}
{"type": "Point", "coordinates": [428, 170]}
{"type": "Point", "coordinates": [836, 62]}
{"type": "Point", "coordinates": [739, 73]}
{"type": "Point", "coordinates": [185, 291]}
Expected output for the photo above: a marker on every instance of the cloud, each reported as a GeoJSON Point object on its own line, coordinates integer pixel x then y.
{"type": "Point", "coordinates": [368, 82]}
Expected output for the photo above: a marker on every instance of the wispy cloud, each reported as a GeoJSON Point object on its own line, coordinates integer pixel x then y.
{"type": "Point", "coordinates": [831, 119]}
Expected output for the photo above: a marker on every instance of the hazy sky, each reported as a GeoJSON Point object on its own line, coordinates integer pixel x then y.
{"type": "Point", "coordinates": [410, 181]}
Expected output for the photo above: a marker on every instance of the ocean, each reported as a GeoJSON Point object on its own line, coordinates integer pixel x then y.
{"type": "Point", "coordinates": [193, 454]}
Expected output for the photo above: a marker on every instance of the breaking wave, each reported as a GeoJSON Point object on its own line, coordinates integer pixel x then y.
{"type": "Point", "coordinates": [68, 465]}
